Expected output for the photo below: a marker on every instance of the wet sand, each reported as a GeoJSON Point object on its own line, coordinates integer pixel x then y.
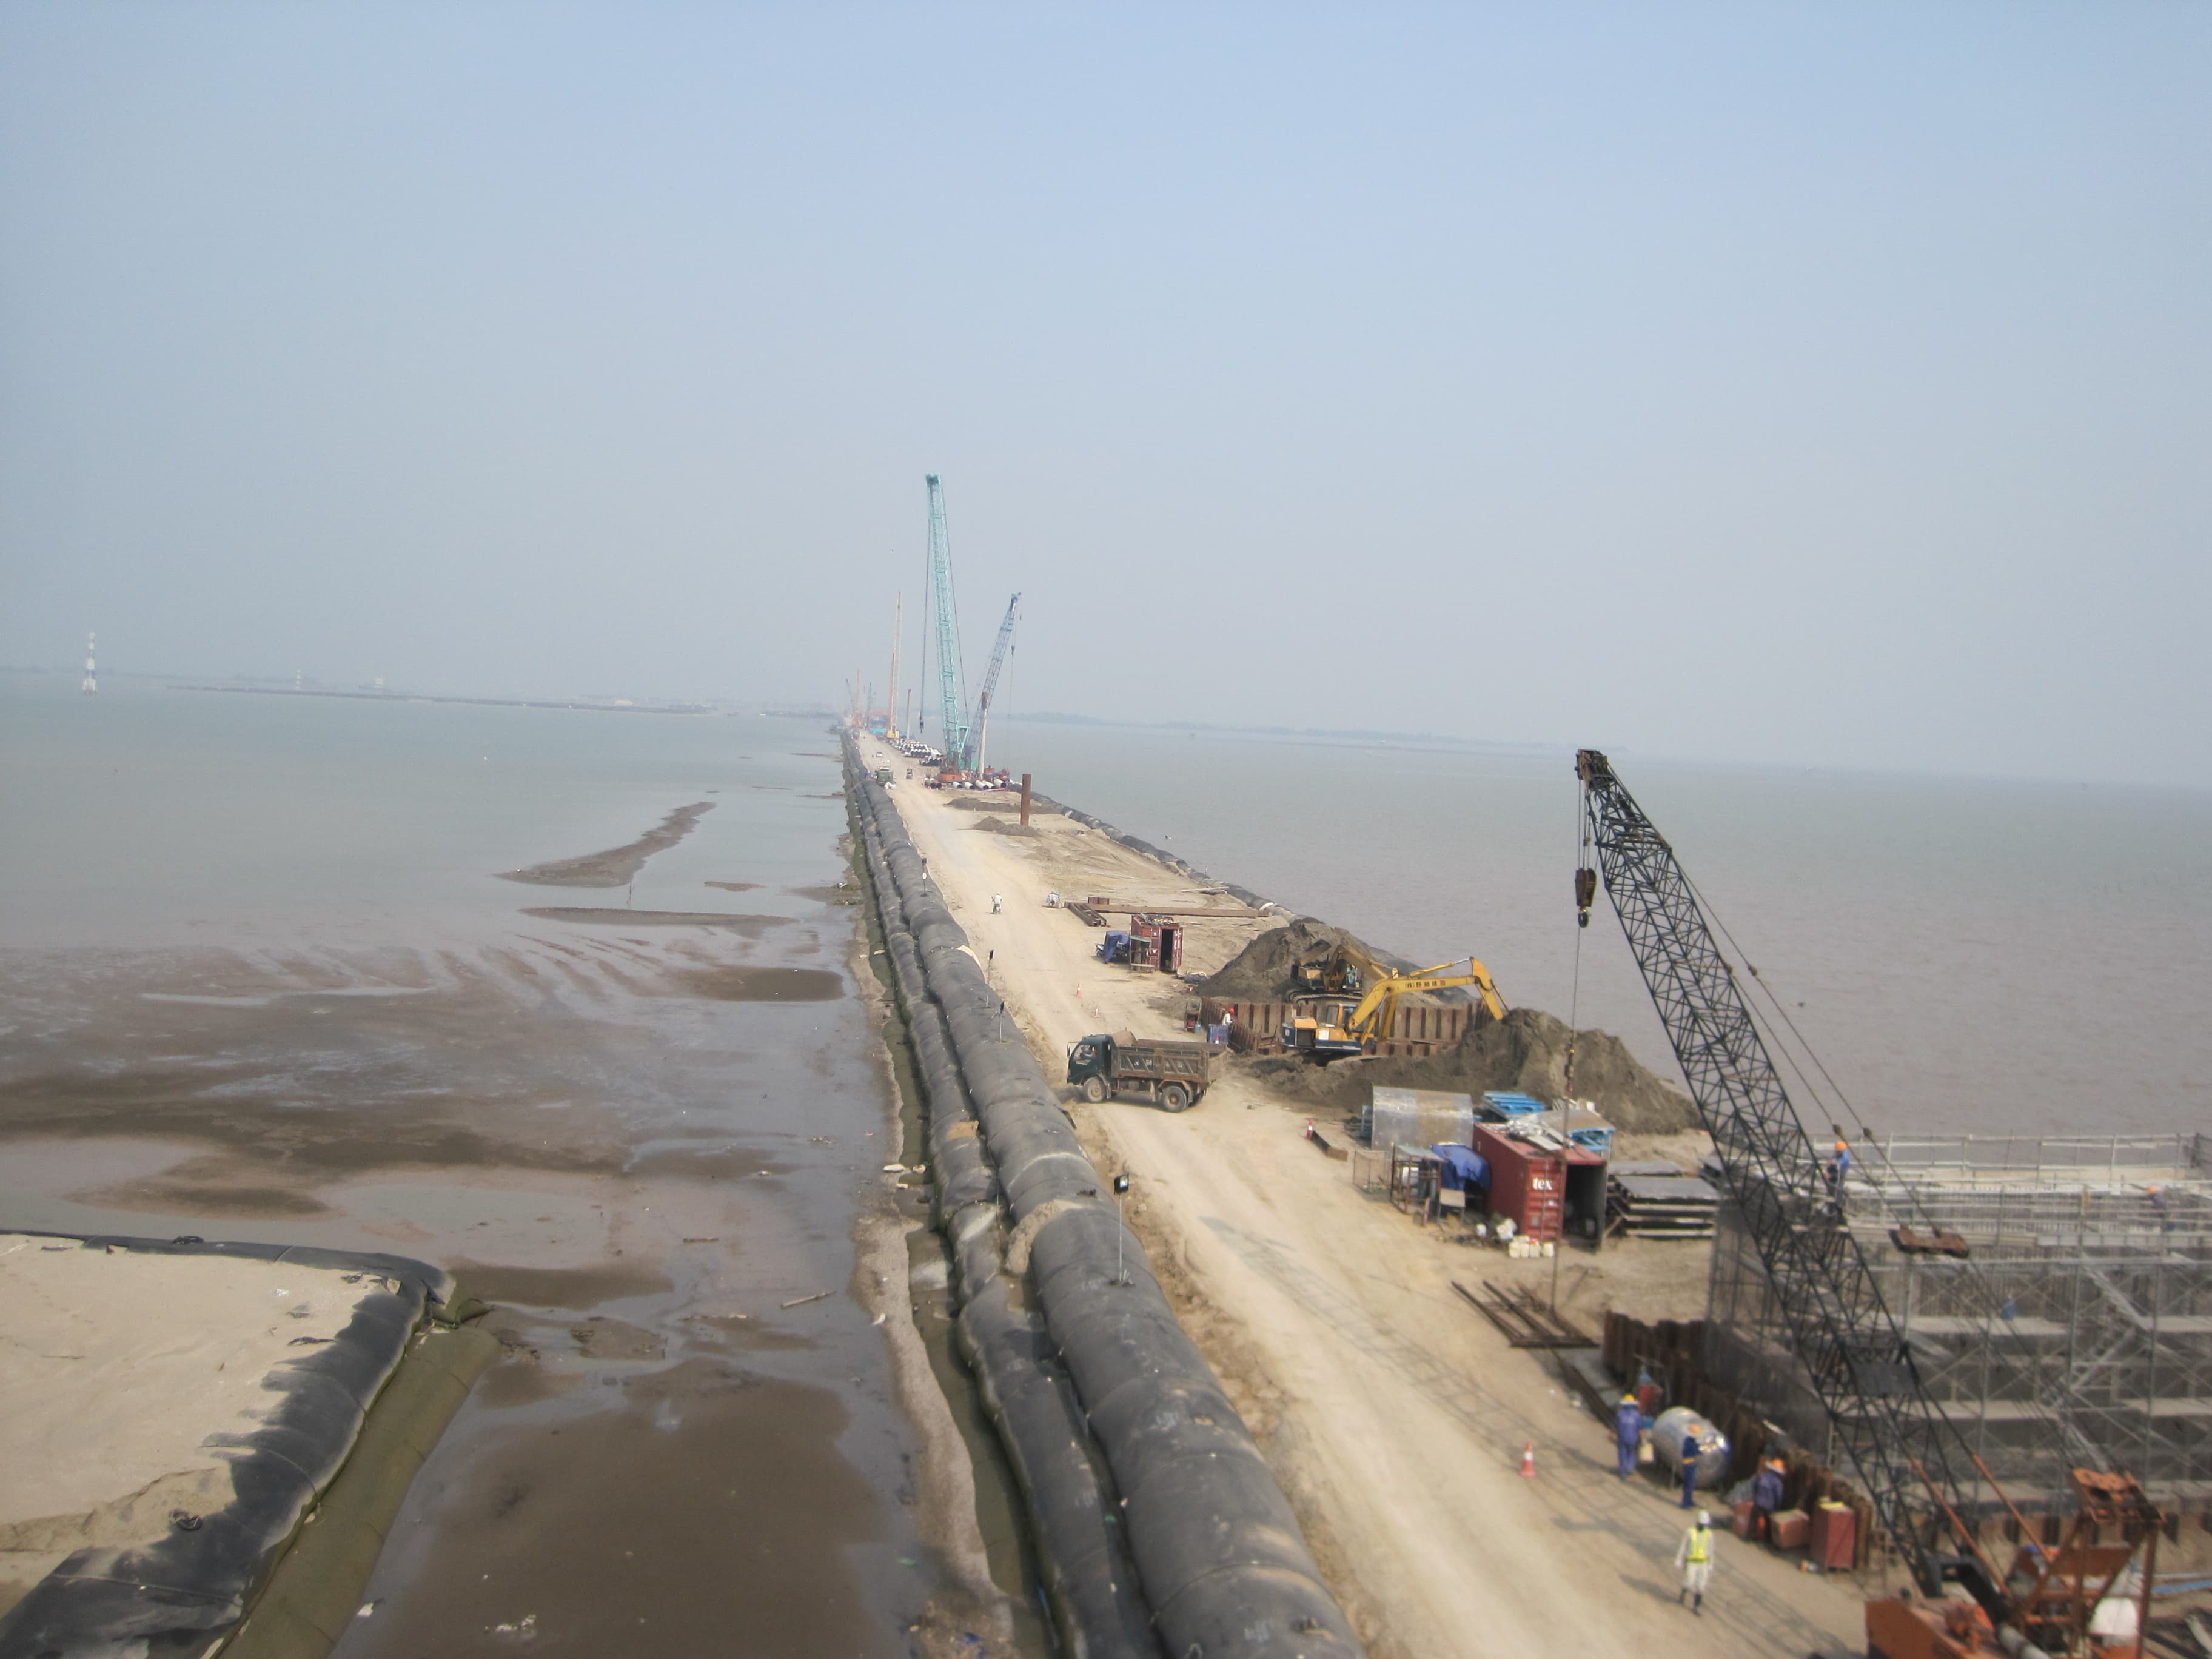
{"type": "Point", "coordinates": [612, 915]}
{"type": "Point", "coordinates": [570, 1545]}
{"type": "Point", "coordinates": [617, 865]}
{"type": "Point", "coordinates": [743, 984]}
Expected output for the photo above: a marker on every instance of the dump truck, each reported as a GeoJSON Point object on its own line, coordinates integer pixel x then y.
{"type": "Point", "coordinates": [1173, 1074]}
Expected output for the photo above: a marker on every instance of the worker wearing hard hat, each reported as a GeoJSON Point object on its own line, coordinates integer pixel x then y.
{"type": "Point", "coordinates": [1695, 1557]}
{"type": "Point", "coordinates": [1693, 1448]}
{"type": "Point", "coordinates": [1765, 1497]}
{"type": "Point", "coordinates": [1628, 1426]}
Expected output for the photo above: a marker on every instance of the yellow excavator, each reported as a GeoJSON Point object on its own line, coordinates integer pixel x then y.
{"type": "Point", "coordinates": [1331, 970]}
{"type": "Point", "coordinates": [1371, 1023]}
{"type": "Point", "coordinates": [1372, 1020]}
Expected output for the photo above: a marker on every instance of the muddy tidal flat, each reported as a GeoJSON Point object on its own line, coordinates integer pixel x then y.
{"type": "Point", "coordinates": [639, 1136]}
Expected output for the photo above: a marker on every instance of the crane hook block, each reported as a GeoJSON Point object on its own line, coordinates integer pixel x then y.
{"type": "Point", "coordinates": [1585, 892]}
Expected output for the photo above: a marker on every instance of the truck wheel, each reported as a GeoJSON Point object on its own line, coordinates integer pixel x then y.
{"type": "Point", "coordinates": [1174, 1098]}
{"type": "Point", "coordinates": [1094, 1089]}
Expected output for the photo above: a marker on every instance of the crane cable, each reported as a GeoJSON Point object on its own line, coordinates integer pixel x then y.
{"type": "Point", "coordinates": [1575, 995]}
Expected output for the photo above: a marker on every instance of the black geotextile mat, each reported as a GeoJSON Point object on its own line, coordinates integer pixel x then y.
{"type": "Point", "coordinates": [178, 1595]}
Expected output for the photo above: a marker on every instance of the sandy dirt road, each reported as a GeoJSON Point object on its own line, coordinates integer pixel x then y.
{"type": "Point", "coordinates": [1393, 1415]}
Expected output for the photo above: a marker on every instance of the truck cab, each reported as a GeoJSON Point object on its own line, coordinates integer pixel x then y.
{"type": "Point", "coordinates": [1316, 1030]}
{"type": "Point", "coordinates": [1093, 1057]}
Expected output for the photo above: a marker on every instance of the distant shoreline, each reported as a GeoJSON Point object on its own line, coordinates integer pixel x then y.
{"type": "Point", "coordinates": [476, 702]}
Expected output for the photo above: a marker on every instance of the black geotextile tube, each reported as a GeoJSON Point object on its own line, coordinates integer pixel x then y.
{"type": "Point", "coordinates": [1092, 1585]}
{"type": "Point", "coordinates": [177, 1594]}
{"type": "Point", "coordinates": [1222, 1562]}
{"type": "Point", "coordinates": [960, 1171]}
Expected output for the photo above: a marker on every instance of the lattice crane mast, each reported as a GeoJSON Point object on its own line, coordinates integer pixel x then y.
{"type": "Point", "coordinates": [951, 675]}
{"type": "Point", "coordinates": [982, 725]}
{"type": "Point", "coordinates": [1898, 1442]}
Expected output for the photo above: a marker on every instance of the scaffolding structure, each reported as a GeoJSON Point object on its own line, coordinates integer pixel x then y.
{"type": "Point", "coordinates": [2056, 1296]}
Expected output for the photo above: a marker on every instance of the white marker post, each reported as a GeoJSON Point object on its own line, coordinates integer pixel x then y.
{"type": "Point", "coordinates": [1120, 1187]}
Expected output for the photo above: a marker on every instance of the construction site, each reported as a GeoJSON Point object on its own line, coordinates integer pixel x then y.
{"type": "Point", "coordinates": [1979, 1369]}
{"type": "Point", "coordinates": [2056, 1297]}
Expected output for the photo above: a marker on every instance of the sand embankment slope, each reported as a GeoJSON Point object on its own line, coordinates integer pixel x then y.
{"type": "Point", "coordinates": [169, 1413]}
{"type": "Point", "coordinates": [1392, 1414]}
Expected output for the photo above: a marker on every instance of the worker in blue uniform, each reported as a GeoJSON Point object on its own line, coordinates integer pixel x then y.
{"type": "Point", "coordinates": [1628, 1426]}
{"type": "Point", "coordinates": [1766, 1499]}
{"type": "Point", "coordinates": [1689, 1450]}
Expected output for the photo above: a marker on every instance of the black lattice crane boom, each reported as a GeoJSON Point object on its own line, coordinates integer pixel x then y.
{"type": "Point", "coordinates": [1903, 1450]}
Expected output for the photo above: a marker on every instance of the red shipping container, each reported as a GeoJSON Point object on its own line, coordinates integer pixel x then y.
{"type": "Point", "coordinates": [1528, 1186]}
{"type": "Point", "coordinates": [1835, 1537]}
{"type": "Point", "coordinates": [1791, 1526]}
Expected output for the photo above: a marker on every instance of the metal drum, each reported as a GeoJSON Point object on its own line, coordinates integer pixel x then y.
{"type": "Point", "coordinates": [1667, 1435]}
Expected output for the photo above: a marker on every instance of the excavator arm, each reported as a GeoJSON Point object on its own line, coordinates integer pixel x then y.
{"type": "Point", "coordinates": [1371, 1019]}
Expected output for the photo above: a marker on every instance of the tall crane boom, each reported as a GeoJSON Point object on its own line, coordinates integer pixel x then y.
{"type": "Point", "coordinates": [991, 680]}
{"type": "Point", "coordinates": [952, 673]}
{"type": "Point", "coordinates": [1903, 1450]}
{"type": "Point", "coordinates": [890, 693]}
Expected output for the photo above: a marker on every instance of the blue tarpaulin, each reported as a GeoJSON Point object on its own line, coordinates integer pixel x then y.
{"type": "Point", "coordinates": [1500, 1105]}
{"type": "Point", "coordinates": [1464, 1169]}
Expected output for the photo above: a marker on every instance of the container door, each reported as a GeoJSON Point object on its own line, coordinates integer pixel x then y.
{"type": "Point", "coordinates": [1547, 1181]}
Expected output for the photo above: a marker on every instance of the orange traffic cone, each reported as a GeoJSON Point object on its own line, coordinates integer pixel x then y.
{"type": "Point", "coordinates": [1528, 1461]}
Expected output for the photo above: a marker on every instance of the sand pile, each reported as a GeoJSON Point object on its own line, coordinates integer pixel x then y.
{"type": "Point", "coordinates": [1262, 970]}
{"type": "Point", "coordinates": [1527, 1050]}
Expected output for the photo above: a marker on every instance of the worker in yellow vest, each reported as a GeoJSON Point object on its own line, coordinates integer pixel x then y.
{"type": "Point", "coordinates": [1695, 1557]}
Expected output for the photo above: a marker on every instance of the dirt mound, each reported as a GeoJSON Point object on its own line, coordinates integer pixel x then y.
{"type": "Point", "coordinates": [1261, 972]}
{"type": "Point", "coordinates": [993, 801]}
{"type": "Point", "coordinates": [1527, 1050]}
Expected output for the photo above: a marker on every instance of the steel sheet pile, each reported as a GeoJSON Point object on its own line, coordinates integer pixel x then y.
{"type": "Point", "coordinates": [1128, 1451]}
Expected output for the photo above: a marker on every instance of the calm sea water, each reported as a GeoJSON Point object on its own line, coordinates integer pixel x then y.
{"type": "Point", "coordinates": [150, 817]}
{"type": "Point", "coordinates": [1969, 955]}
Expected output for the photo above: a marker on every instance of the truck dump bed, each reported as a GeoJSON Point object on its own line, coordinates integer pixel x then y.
{"type": "Point", "coordinates": [1161, 1059]}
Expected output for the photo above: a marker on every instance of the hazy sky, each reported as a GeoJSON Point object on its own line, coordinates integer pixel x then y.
{"type": "Point", "coordinates": [1828, 383]}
